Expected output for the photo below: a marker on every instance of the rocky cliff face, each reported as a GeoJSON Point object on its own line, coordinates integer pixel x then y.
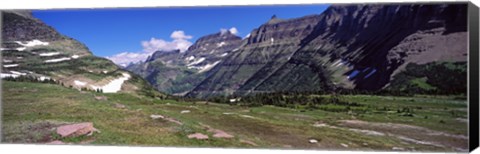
{"type": "Point", "coordinates": [22, 26]}
{"type": "Point", "coordinates": [386, 38]}
{"type": "Point", "coordinates": [348, 46]}
{"type": "Point", "coordinates": [32, 50]}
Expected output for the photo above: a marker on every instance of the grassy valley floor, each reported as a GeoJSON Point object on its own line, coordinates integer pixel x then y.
{"type": "Point", "coordinates": [32, 111]}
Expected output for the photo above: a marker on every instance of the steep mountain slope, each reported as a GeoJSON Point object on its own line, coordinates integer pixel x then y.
{"type": "Point", "coordinates": [34, 51]}
{"type": "Point", "coordinates": [348, 46]}
{"type": "Point", "coordinates": [178, 72]}
{"type": "Point", "coordinates": [387, 38]}
{"type": "Point", "coordinates": [267, 48]}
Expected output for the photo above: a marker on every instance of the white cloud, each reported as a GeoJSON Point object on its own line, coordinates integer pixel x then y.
{"type": "Point", "coordinates": [180, 35]}
{"type": "Point", "coordinates": [232, 30]}
{"type": "Point", "coordinates": [180, 41]}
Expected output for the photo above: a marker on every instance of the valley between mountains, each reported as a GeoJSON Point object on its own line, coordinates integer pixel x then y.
{"type": "Point", "coordinates": [354, 77]}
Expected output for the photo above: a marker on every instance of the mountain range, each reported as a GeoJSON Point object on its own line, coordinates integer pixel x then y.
{"type": "Point", "coordinates": [361, 47]}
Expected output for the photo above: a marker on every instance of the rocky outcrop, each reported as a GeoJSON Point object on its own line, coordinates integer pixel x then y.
{"type": "Point", "coordinates": [74, 130]}
{"type": "Point", "coordinates": [198, 136]}
{"type": "Point", "coordinates": [22, 26]}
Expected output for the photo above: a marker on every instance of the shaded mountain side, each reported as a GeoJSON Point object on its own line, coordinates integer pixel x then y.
{"type": "Point", "coordinates": [347, 46]}
{"type": "Point", "coordinates": [431, 78]}
{"type": "Point", "coordinates": [387, 37]}
{"type": "Point", "coordinates": [267, 48]}
{"type": "Point", "coordinates": [34, 51]}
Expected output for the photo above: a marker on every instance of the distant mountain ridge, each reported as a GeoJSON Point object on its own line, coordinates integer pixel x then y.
{"type": "Point", "coordinates": [177, 72]}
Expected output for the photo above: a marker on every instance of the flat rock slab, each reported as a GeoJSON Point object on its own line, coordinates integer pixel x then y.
{"type": "Point", "coordinates": [56, 142]}
{"type": "Point", "coordinates": [101, 98]}
{"type": "Point", "coordinates": [74, 130]}
{"type": "Point", "coordinates": [220, 133]}
{"type": "Point", "coordinates": [154, 117]}
{"type": "Point", "coordinates": [248, 142]}
{"type": "Point", "coordinates": [120, 106]}
{"type": "Point", "coordinates": [198, 136]}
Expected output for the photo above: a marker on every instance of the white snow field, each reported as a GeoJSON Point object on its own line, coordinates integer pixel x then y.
{"type": "Point", "coordinates": [32, 43]}
{"type": "Point", "coordinates": [114, 86]}
{"type": "Point", "coordinates": [208, 67]}
{"type": "Point", "coordinates": [49, 54]}
{"type": "Point", "coordinates": [10, 65]}
{"type": "Point", "coordinates": [79, 83]}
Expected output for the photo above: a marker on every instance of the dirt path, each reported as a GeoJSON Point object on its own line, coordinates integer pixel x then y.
{"type": "Point", "coordinates": [408, 133]}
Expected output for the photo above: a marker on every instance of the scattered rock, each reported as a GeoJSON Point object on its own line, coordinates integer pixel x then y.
{"type": "Point", "coordinates": [287, 146]}
{"type": "Point", "coordinates": [74, 130]}
{"type": "Point", "coordinates": [247, 116]}
{"type": "Point", "coordinates": [153, 116]}
{"type": "Point", "coordinates": [101, 98]}
{"type": "Point", "coordinates": [185, 111]}
{"type": "Point", "coordinates": [319, 124]}
{"type": "Point", "coordinates": [313, 141]}
{"type": "Point", "coordinates": [344, 145]}
{"type": "Point", "coordinates": [398, 149]}
{"type": "Point", "coordinates": [220, 133]}
{"type": "Point", "coordinates": [174, 121]}
{"type": "Point", "coordinates": [56, 142]}
{"type": "Point", "coordinates": [217, 133]}
{"type": "Point", "coordinates": [198, 136]}
{"type": "Point", "coordinates": [120, 106]}
{"type": "Point", "coordinates": [248, 142]}
{"type": "Point", "coordinates": [228, 113]}
{"type": "Point", "coordinates": [365, 144]}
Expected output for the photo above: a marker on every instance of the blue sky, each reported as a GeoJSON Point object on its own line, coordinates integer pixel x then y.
{"type": "Point", "coordinates": [129, 32]}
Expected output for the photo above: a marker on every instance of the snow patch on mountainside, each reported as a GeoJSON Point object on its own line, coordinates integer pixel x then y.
{"type": "Point", "coordinates": [32, 43]}
{"type": "Point", "coordinates": [224, 54]}
{"type": "Point", "coordinates": [208, 67]}
{"type": "Point", "coordinates": [18, 73]}
{"type": "Point", "coordinates": [6, 75]}
{"type": "Point", "coordinates": [221, 44]}
{"type": "Point", "coordinates": [190, 58]}
{"type": "Point", "coordinates": [49, 54]}
{"type": "Point", "coordinates": [196, 61]}
{"type": "Point", "coordinates": [10, 65]}
{"type": "Point", "coordinates": [57, 60]}
{"type": "Point", "coordinates": [113, 86]}
{"type": "Point", "coordinates": [79, 83]}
